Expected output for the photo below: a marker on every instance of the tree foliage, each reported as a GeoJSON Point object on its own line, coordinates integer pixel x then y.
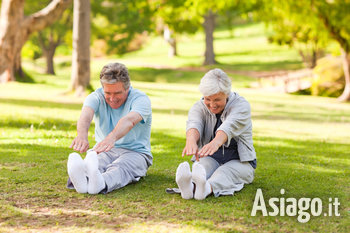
{"type": "Point", "coordinates": [118, 22]}
{"type": "Point", "coordinates": [176, 16]}
{"type": "Point", "coordinates": [289, 28]}
{"type": "Point", "coordinates": [322, 19]}
{"type": "Point", "coordinates": [48, 39]}
{"type": "Point", "coordinates": [206, 12]}
{"type": "Point", "coordinates": [15, 29]}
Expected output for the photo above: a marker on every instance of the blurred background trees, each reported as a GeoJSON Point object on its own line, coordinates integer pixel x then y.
{"type": "Point", "coordinates": [312, 27]}
{"type": "Point", "coordinates": [15, 29]}
{"type": "Point", "coordinates": [313, 23]}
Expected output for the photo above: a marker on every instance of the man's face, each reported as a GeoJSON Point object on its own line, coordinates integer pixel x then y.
{"type": "Point", "coordinates": [115, 94]}
{"type": "Point", "coordinates": [216, 103]}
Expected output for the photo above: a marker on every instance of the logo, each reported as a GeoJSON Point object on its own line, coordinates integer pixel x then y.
{"type": "Point", "coordinates": [292, 207]}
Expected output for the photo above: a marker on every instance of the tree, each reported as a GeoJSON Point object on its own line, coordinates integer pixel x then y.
{"type": "Point", "coordinates": [207, 11]}
{"type": "Point", "coordinates": [310, 42]}
{"type": "Point", "coordinates": [335, 17]}
{"type": "Point", "coordinates": [330, 17]}
{"type": "Point", "coordinates": [119, 22]}
{"type": "Point", "coordinates": [48, 39]}
{"type": "Point", "coordinates": [52, 37]}
{"type": "Point", "coordinates": [80, 78]}
{"type": "Point", "coordinates": [15, 30]}
{"type": "Point", "coordinates": [175, 18]}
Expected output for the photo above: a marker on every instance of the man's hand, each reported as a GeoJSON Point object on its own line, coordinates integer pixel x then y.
{"type": "Point", "coordinates": [80, 144]}
{"type": "Point", "coordinates": [106, 144]}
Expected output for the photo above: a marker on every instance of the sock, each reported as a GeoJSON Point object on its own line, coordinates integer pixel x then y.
{"type": "Point", "coordinates": [203, 188]}
{"type": "Point", "coordinates": [76, 172]}
{"type": "Point", "coordinates": [96, 181]}
{"type": "Point", "coordinates": [184, 181]}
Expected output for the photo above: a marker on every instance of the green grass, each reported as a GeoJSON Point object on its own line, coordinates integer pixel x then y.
{"type": "Point", "coordinates": [248, 50]}
{"type": "Point", "coordinates": [302, 146]}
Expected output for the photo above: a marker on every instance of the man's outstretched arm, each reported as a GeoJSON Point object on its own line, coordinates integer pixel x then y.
{"type": "Point", "coordinates": [81, 142]}
{"type": "Point", "coordinates": [124, 125]}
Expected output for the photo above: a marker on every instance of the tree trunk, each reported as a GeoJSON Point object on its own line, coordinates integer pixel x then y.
{"type": "Point", "coordinates": [170, 38]}
{"type": "Point", "coordinates": [80, 77]}
{"type": "Point", "coordinates": [15, 29]}
{"type": "Point", "coordinates": [345, 50]}
{"type": "Point", "coordinates": [18, 65]}
{"type": "Point", "coordinates": [10, 39]}
{"type": "Point", "coordinates": [49, 54]}
{"type": "Point", "coordinates": [313, 59]}
{"type": "Point", "coordinates": [209, 26]}
{"type": "Point", "coordinates": [48, 46]}
{"type": "Point", "coordinates": [345, 96]}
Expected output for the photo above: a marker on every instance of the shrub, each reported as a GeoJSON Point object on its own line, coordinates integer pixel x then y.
{"type": "Point", "coordinates": [329, 77]}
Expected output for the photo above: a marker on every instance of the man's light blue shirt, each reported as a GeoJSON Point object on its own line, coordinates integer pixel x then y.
{"type": "Point", "coordinates": [106, 118]}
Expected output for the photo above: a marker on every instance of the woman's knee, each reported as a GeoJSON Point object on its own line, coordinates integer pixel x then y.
{"type": "Point", "coordinates": [209, 164]}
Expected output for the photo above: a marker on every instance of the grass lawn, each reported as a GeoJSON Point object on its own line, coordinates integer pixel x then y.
{"type": "Point", "coordinates": [302, 146]}
{"type": "Point", "coordinates": [247, 50]}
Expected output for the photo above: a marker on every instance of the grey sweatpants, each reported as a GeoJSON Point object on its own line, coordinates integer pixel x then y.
{"type": "Point", "coordinates": [229, 177]}
{"type": "Point", "coordinates": [120, 167]}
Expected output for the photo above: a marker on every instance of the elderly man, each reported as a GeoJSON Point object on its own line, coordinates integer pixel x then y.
{"type": "Point", "coordinates": [123, 119]}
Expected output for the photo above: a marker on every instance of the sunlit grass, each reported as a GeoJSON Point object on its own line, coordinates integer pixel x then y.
{"type": "Point", "coordinates": [302, 145]}
{"type": "Point", "coordinates": [248, 50]}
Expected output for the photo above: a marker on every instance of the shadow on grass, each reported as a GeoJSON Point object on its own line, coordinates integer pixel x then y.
{"type": "Point", "coordinates": [304, 168]}
{"type": "Point", "coordinates": [171, 111]}
{"type": "Point", "coordinates": [24, 77]}
{"type": "Point", "coordinates": [46, 123]}
{"type": "Point", "coordinates": [304, 117]}
{"type": "Point", "coordinates": [261, 66]}
{"type": "Point", "coordinates": [165, 75]}
{"type": "Point", "coordinates": [253, 53]}
{"type": "Point", "coordinates": [41, 103]}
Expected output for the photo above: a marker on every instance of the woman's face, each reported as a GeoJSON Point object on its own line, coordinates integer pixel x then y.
{"type": "Point", "coordinates": [216, 103]}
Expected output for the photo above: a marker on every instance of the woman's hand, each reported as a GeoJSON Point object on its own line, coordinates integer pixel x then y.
{"type": "Point", "coordinates": [209, 149]}
{"type": "Point", "coordinates": [214, 145]}
{"type": "Point", "coordinates": [191, 148]}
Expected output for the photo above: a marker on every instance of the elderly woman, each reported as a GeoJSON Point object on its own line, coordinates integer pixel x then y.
{"type": "Point", "coordinates": [219, 137]}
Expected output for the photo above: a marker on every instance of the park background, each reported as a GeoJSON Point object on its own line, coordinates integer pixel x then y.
{"type": "Point", "coordinates": [301, 136]}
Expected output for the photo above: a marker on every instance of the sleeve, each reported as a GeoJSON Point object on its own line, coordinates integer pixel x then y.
{"type": "Point", "coordinates": [92, 101]}
{"type": "Point", "coordinates": [196, 119]}
{"type": "Point", "coordinates": [142, 105]}
{"type": "Point", "coordinates": [237, 121]}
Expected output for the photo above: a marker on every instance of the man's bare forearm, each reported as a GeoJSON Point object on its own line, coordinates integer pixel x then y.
{"type": "Point", "coordinates": [125, 124]}
{"type": "Point", "coordinates": [84, 122]}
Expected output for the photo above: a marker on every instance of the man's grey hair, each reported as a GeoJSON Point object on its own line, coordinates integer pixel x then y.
{"type": "Point", "coordinates": [215, 81]}
{"type": "Point", "coordinates": [115, 72]}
